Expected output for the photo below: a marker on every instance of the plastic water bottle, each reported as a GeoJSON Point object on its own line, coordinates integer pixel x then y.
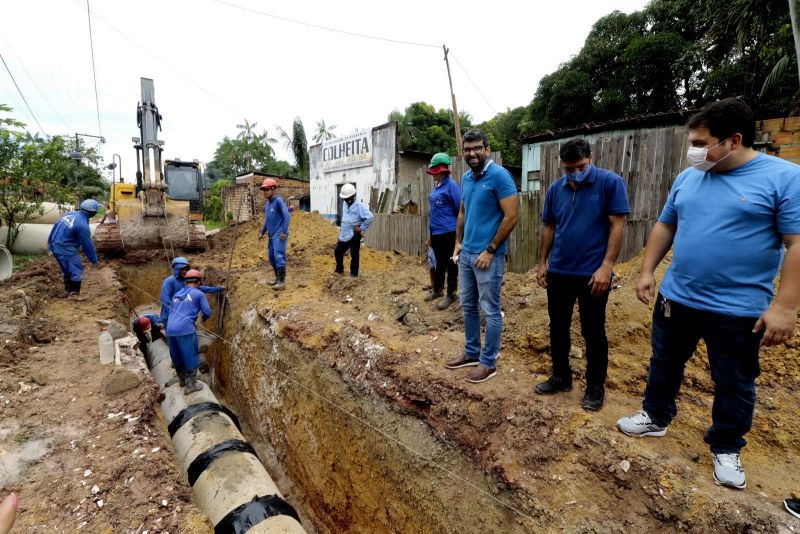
{"type": "Point", "coordinates": [106, 343]}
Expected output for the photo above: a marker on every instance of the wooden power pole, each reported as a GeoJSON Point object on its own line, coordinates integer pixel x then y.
{"type": "Point", "coordinates": [456, 121]}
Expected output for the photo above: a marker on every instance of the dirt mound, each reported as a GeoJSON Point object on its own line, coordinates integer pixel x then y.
{"type": "Point", "coordinates": [583, 473]}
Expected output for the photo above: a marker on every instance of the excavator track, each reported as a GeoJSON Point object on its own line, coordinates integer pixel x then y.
{"type": "Point", "coordinates": [197, 238]}
{"type": "Point", "coordinates": [108, 239]}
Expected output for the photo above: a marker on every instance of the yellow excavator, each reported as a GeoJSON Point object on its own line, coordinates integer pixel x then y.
{"type": "Point", "coordinates": [155, 212]}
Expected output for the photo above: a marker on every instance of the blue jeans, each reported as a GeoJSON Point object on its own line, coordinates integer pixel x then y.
{"type": "Point", "coordinates": [71, 267]}
{"type": "Point", "coordinates": [481, 288]}
{"type": "Point", "coordinates": [184, 352]}
{"type": "Point", "coordinates": [276, 251]}
{"type": "Point", "coordinates": [733, 358]}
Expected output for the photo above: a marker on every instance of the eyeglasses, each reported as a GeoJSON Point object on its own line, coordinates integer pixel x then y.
{"type": "Point", "coordinates": [474, 149]}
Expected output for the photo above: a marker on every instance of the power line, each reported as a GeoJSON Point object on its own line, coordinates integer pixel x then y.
{"type": "Point", "coordinates": [94, 70]}
{"type": "Point", "coordinates": [44, 96]}
{"type": "Point", "coordinates": [474, 84]}
{"type": "Point", "coordinates": [167, 65]}
{"type": "Point", "coordinates": [325, 28]}
{"type": "Point", "coordinates": [23, 96]}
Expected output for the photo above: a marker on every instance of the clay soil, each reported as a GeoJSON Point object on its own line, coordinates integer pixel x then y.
{"type": "Point", "coordinates": [577, 470]}
{"type": "Point", "coordinates": [80, 460]}
{"type": "Point", "coordinates": [582, 474]}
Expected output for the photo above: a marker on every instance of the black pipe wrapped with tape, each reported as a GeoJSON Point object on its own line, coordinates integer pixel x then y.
{"type": "Point", "coordinates": [253, 513]}
{"type": "Point", "coordinates": [223, 469]}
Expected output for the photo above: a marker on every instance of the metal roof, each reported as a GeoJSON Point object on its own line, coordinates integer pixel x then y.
{"type": "Point", "coordinates": [664, 118]}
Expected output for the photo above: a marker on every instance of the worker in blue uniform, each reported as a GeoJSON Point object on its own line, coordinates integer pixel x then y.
{"type": "Point", "coordinates": [276, 226]}
{"type": "Point", "coordinates": [182, 331]}
{"type": "Point", "coordinates": [68, 235]}
{"type": "Point", "coordinates": [174, 283]}
{"type": "Point", "coordinates": [147, 328]}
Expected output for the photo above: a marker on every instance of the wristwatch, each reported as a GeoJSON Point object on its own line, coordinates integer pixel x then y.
{"type": "Point", "coordinates": [490, 249]}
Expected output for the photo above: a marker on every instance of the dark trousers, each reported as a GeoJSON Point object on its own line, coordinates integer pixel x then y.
{"type": "Point", "coordinates": [562, 291]}
{"type": "Point", "coordinates": [732, 355]}
{"type": "Point", "coordinates": [443, 246]}
{"type": "Point", "coordinates": [354, 245]}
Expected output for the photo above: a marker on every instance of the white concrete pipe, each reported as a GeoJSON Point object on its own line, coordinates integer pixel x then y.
{"type": "Point", "coordinates": [229, 483]}
{"type": "Point", "coordinates": [6, 264]}
{"type": "Point", "coordinates": [32, 238]}
{"type": "Point", "coordinates": [51, 213]}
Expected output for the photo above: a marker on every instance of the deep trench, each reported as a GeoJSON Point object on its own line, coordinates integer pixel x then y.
{"type": "Point", "coordinates": [313, 427]}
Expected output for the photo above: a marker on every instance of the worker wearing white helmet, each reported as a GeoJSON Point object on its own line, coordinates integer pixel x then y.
{"type": "Point", "coordinates": [356, 218]}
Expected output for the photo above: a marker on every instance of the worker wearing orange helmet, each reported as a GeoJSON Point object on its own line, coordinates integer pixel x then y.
{"type": "Point", "coordinates": [276, 226]}
{"type": "Point", "coordinates": [182, 330]}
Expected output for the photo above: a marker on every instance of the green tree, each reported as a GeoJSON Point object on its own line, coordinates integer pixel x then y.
{"type": "Point", "coordinates": [424, 129]}
{"type": "Point", "coordinates": [212, 202]}
{"type": "Point", "coordinates": [323, 132]}
{"type": "Point", "coordinates": [297, 144]}
{"type": "Point", "coordinates": [249, 151]}
{"type": "Point", "coordinates": [35, 170]}
{"type": "Point", "coordinates": [503, 131]}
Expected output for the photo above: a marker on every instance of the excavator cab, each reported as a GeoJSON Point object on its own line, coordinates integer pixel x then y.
{"type": "Point", "coordinates": [185, 182]}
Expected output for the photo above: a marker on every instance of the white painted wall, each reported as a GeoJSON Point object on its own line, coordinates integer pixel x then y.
{"type": "Point", "coordinates": [381, 174]}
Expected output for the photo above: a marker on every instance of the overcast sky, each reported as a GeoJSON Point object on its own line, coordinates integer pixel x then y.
{"type": "Point", "coordinates": [215, 64]}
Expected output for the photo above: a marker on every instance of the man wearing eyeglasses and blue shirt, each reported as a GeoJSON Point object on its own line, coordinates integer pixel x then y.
{"type": "Point", "coordinates": [488, 213]}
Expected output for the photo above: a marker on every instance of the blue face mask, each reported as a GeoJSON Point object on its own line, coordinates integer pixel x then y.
{"type": "Point", "coordinates": [579, 177]}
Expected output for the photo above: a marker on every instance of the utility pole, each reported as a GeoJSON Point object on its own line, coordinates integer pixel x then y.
{"type": "Point", "coordinates": [456, 121]}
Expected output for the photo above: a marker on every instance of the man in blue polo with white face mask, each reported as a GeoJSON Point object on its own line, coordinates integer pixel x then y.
{"type": "Point", "coordinates": [732, 218]}
{"type": "Point", "coordinates": [584, 223]}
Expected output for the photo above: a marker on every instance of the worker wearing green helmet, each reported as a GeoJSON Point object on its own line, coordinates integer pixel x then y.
{"type": "Point", "coordinates": [445, 201]}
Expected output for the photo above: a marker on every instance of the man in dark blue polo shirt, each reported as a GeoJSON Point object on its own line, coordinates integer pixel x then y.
{"type": "Point", "coordinates": [584, 216]}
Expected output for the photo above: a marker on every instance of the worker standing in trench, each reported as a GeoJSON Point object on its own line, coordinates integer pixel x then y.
{"type": "Point", "coordinates": [174, 283]}
{"type": "Point", "coordinates": [182, 330]}
{"type": "Point", "coordinates": [276, 226]}
{"type": "Point", "coordinates": [68, 234]}
{"type": "Point", "coordinates": [169, 288]}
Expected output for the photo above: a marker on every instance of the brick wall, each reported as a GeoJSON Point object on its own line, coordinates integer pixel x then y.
{"type": "Point", "coordinates": [783, 136]}
{"type": "Point", "coordinates": [231, 198]}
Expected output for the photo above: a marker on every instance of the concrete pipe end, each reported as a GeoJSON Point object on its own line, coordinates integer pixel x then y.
{"type": "Point", "coordinates": [6, 264]}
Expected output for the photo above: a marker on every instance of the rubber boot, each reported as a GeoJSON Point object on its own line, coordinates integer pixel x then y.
{"type": "Point", "coordinates": [74, 289]}
{"type": "Point", "coordinates": [179, 377]}
{"type": "Point", "coordinates": [281, 284]}
{"type": "Point", "coordinates": [277, 278]}
{"type": "Point", "coordinates": [65, 294]}
{"type": "Point", "coordinates": [191, 383]}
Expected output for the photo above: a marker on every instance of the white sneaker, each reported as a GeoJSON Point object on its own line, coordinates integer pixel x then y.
{"type": "Point", "coordinates": [640, 425]}
{"type": "Point", "coordinates": [728, 471]}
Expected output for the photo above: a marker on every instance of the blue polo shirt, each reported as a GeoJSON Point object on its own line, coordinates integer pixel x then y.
{"type": "Point", "coordinates": [728, 243]}
{"type": "Point", "coordinates": [481, 195]}
{"type": "Point", "coordinates": [445, 202]}
{"type": "Point", "coordinates": [581, 220]}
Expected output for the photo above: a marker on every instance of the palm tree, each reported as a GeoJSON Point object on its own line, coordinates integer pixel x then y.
{"type": "Point", "coordinates": [324, 132]}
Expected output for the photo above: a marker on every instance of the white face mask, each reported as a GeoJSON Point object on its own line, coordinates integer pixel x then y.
{"type": "Point", "coordinates": [697, 157]}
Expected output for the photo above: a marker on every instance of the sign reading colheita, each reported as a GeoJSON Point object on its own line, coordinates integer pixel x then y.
{"type": "Point", "coordinates": [347, 152]}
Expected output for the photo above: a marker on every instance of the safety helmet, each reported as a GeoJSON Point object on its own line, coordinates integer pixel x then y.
{"type": "Point", "coordinates": [180, 260]}
{"type": "Point", "coordinates": [143, 323]}
{"type": "Point", "coordinates": [440, 159]}
{"type": "Point", "coordinates": [348, 190]}
{"type": "Point", "coordinates": [269, 182]}
{"type": "Point", "coordinates": [90, 205]}
{"type": "Point", "coordinates": [193, 276]}
{"type": "Point", "coordinates": [440, 164]}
